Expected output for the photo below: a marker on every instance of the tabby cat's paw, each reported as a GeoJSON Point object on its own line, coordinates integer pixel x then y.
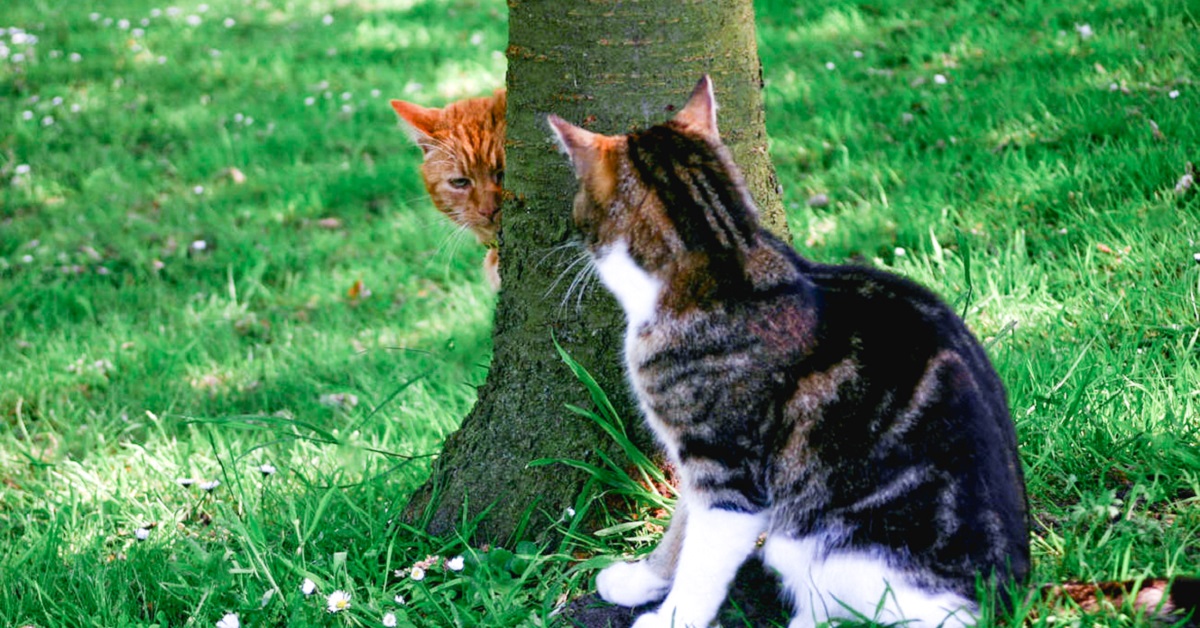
{"type": "Point", "coordinates": [631, 584]}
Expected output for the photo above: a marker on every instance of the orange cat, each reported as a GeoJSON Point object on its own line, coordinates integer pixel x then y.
{"type": "Point", "coordinates": [464, 164]}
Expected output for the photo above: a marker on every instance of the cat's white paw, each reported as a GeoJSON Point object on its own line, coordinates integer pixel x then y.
{"type": "Point", "coordinates": [652, 620]}
{"type": "Point", "coordinates": [631, 584]}
{"type": "Point", "coordinates": [663, 619]}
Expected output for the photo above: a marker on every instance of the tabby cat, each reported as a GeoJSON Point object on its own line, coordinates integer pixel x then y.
{"type": "Point", "coordinates": [845, 413]}
{"type": "Point", "coordinates": [463, 169]}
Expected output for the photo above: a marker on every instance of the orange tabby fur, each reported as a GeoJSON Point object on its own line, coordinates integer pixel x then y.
{"type": "Point", "coordinates": [463, 169]}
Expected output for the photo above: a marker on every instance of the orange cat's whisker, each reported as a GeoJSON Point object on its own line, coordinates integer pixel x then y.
{"type": "Point", "coordinates": [412, 200]}
{"type": "Point", "coordinates": [450, 245]}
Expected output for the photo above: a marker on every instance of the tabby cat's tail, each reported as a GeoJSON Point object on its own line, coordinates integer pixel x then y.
{"type": "Point", "coordinates": [1160, 598]}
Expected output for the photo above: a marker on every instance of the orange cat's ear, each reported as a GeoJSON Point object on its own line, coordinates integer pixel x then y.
{"type": "Point", "coordinates": [700, 112]}
{"type": "Point", "coordinates": [580, 145]}
{"type": "Point", "coordinates": [419, 122]}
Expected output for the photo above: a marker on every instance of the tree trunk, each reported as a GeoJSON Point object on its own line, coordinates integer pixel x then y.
{"type": "Point", "coordinates": [612, 67]}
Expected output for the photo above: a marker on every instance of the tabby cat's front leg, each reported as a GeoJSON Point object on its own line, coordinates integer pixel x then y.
{"type": "Point", "coordinates": [715, 544]}
{"type": "Point", "coordinates": [646, 580]}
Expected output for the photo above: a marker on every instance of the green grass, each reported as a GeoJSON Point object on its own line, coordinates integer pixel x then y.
{"type": "Point", "coordinates": [1025, 188]}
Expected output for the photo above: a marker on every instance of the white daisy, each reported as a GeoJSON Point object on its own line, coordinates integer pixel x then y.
{"type": "Point", "coordinates": [455, 564]}
{"type": "Point", "coordinates": [417, 574]}
{"type": "Point", "coordinates": [389, 619]}
{"type": "Point", "coordinates": [210, 486]}
{"type": "Point", "coordinates": [230, 620]}
{"type": "Point", "coordinates": [308, 587]}
{"type": "Point", "coordinates": [267, 469]}
{"type": "Point", "coordinates": [337, 601]}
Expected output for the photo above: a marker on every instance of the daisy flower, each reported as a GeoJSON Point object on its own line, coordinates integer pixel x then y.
{"type": "Point", "coordinates": [308, 587]}
{"type": "Point", "coordinates": [455, 564]}
{"type": "Point", "coordinates": [389, 619]}
{"type": "Point", "coordinates": [211, 486]}
{"type": "Point", "coordinates": [267, 469]}
{"type": "Point", "coordinates": [417, 574]}
{"type": "Point", "coordinates": [337, 601]}
{"type": "Point", "coordinates": [230, 620]}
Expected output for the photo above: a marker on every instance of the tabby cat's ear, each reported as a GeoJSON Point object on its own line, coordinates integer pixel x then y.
{"type": "Point", "coordinates": [700, 112]}
{"type": "Point", "coordinates": [580, 145]}
{"type": "Point", "coordinates": [419, 122]}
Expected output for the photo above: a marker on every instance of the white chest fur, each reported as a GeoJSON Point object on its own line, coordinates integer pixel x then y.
{"type": "Point", "coordinates": [635, 289]}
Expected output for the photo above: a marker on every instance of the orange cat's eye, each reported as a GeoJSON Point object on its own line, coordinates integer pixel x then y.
{"type": "Point", "coordinates": [498, 177]}
{"type": "Point", "coordinates": [459, 182]}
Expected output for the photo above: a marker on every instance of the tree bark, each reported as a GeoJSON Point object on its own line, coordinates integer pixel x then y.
{"type": "Point", "coordinates": [612, 67]}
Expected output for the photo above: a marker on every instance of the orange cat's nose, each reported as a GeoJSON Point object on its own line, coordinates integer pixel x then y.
{"type": "Point", "coordinates": [489, 205]}
{"type": "Point", "coordinates": [488, 208]}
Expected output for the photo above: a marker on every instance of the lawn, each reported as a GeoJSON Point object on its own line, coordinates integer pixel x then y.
{"type": "Point", "coordinates": [233, 329]}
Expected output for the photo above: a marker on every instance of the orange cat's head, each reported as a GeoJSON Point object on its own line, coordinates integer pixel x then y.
{"type": "Point", "coordinates": [464, 158]}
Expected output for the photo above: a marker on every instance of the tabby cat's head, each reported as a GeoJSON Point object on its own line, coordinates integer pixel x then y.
{"type": "Point", "coordinates": [464, 158]}
{"type": "Point", "coordinates": [669, 197]}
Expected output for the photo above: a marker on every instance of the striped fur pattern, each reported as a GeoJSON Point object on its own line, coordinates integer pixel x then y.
{"type": "Point", "coordinates": [845, 413]}
{"type": "Point", "coordinates": [463, 169]}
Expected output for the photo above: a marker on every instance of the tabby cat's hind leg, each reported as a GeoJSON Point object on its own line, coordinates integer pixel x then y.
{"type": "Point", "coordinates": [647, 580]}
{"type": "Point", "coordinates": [825, 584]}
